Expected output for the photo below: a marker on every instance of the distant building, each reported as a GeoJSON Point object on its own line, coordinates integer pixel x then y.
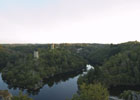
{"type": "Point", "coordinates": [79, 49]}
{"type": "Point", "coordinates": [36, 54]}
{"type": "Point", "coordinates": [52, 46]}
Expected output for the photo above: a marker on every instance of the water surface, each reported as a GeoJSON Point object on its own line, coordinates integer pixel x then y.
{"type": "Point", "coordinates": [56, 88]}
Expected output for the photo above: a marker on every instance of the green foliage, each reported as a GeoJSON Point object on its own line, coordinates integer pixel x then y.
{"type": "Point", "coordinates": [24, 71]}
{"type": "Point", "coordinates": [126, 95]}
{"type": "Point", "coordinates": [122, 68]}
{"type": "Point", "coordinates": [21, 96]}
{"type": "Point", "coordinates": [96, 54]}
{"type": "Point", "coordinates": [130, 95]}
{"type": "Point", "coordinates": [114, 64]}
{"type": "Point", "coordinates": [93, 76]}
{"type": "Point", "coordinates": [92, 92]}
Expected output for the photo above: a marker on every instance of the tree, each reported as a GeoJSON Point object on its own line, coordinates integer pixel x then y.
{"type": "Point", "coordinates": [21, 97]}
{"type": "Point", "coordinates": [92, 92]}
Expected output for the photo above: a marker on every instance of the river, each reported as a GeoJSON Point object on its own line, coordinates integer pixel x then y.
{"type": "Point", "coordinates": [57, 88]}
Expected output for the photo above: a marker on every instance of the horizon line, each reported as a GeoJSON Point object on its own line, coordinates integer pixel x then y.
{"type": "Point", "coordinates": [69, 42]}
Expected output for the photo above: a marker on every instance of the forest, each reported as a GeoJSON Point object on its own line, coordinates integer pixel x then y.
{"type": "Point", "coordinates": [114, 65]}
{"type": "Point", "coordinates": [21, 69]}
{"type": "Point", "coordinates": [121, 68]}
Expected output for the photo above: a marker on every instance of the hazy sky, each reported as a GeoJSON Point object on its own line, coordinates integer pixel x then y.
{"type": "Point", "coordinates": [57, 21]}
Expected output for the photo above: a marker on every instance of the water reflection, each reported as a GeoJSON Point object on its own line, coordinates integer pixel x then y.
{"type": "Point", "coordinates": [61, 78]}
{"type": "Point", "coordinates": [50, 82]}
{"type": "Point", "coordinates": [59, 87]}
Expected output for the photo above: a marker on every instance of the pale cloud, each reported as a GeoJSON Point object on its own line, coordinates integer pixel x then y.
{"type": "Point", "coordinates": [100, 21]}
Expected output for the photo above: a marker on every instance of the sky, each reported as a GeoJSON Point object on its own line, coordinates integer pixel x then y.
{"type": "Point", "coordinates": [69, 21]}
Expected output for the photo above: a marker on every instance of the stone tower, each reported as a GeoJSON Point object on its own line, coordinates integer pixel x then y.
{"type": "Point", "coordinates": [52, 46]}
{"type": "Point", "coordinates": [36, 54]}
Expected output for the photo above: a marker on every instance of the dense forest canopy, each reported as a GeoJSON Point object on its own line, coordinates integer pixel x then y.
{"type": "Point", "coordinates": [22, 69]}
{"type": "Point", "coordinates": [121, 68]}
{"type": "Point", "coordinates": [114, 64]}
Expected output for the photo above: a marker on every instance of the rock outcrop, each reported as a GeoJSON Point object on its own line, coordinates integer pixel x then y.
{"type": "Point", "coordinates": [114, 98]}
{"type": "Point", "coordinates": [5, 95]}
{"type": "Point", "coordinates": [130, 95]}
